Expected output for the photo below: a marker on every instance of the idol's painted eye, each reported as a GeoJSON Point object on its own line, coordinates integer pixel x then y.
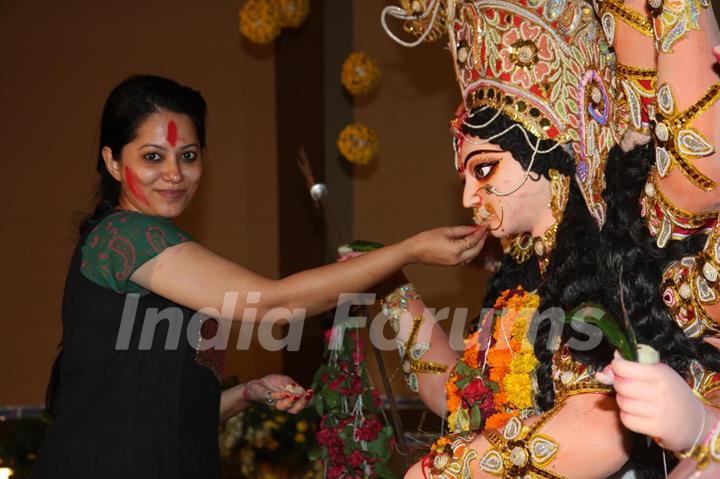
{"type": "Point", "coordinates": [484, 170]}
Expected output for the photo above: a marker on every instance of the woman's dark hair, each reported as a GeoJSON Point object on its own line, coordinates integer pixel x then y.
{"type": "Point", "coordinates": [585, 267]}
{"type": "Point", "coordinates": [127, 106]}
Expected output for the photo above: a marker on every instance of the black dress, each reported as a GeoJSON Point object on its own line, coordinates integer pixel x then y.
{"type": "Point", "coordinates": [133, 412]}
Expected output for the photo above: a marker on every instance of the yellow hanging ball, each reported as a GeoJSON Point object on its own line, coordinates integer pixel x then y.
{"type": "Point", "coordinates": [360, 73]}
{"type": "Point", "coordinates": [358, 143]}
{"type": "Point", "coordinates": [293, 12]}
{"type": "Point", "coordinates": [260, 21]}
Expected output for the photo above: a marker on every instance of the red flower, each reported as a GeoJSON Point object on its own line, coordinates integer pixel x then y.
{"type": "Point", "coordinates": [335, 384]}
{"type": "Point", "coordinates": [357, 357]}
{"type": "Point", "coordinates": [369, 430]}
{"type": "Point", "coordinates": [327, 437]}
{"type": "Point", "coordinates": [356, 386]}
{"type": "Point", "coordinates": [377, 400]}
{"type": "Point", "coordinates": [335, 472]}
{"type": "Point", "coordinates": [476, 392]}
{"type": "Point", "coordinates": [356, 458]}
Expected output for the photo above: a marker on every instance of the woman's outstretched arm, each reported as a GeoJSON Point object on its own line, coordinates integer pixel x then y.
{"type": "Point", "coordinates": [193, 276]}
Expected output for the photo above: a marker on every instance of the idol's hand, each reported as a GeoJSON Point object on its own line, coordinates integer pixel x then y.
{"type": "Point", "coordinates": [654, 400]}
{"type": "Point", "coordinates": [280, 392]}
{"type": "Point", "coordinates": [447, 246]}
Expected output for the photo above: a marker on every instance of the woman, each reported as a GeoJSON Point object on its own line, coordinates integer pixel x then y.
{"type": "Point", "coordinates": [539, 87]}
{"type": "Point", "coordinates": [144, 400]}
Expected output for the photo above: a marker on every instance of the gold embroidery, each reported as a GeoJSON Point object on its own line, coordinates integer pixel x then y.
{"type": "Point", "coordinates": [410, 351]}
{"type": "Point", "coordinates": [674, 20]}
{"type": "Point", "coordinates": [639, 86]}
{"type": "Point", "coordinates": [521, 451]}
{"type": "Point", "coordinates": [690, 285]}
{"type": "Point", "coordinates": [677, 142]}
{"type": "Point", "coordinates": [571, 377]}
{"type": "Point", "coordinates": [450, 457]}
{"type": "Point", "coordinates": [666, 221]}
{"type": "Point", "coordinates": [615, 8]}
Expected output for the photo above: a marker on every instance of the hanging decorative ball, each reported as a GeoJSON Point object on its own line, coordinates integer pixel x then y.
{"type": "Point", "coordinates": [293, 12]}
{"type": "Point", "coordinates": [358, 143]}
{"type": "Point", "coordinates": [360, 73]}
{"type": "Point", "coordinates": [260, 21]}
{"type": "Point", "coordinates": [318, 191]}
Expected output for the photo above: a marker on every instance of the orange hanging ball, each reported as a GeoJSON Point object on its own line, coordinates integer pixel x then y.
{"type": "Point", "coordinates": [293, 12]}
{"type": "Point", "coordinates": [260, 21]}
{"type": "Point", "coordinates": [358, 143]}
{"type": "Point", "coordinates": [360, 73]}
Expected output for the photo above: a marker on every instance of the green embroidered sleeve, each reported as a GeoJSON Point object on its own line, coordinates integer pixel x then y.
{"type": "Point", "coordinates": [121, 243]}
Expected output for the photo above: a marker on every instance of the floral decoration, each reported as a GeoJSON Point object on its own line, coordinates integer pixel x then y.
{"type": "Point", "coordinates": [260, 21]}
{"type": "Point", "coordinates": [353, 440]}
{"type": "Point", "coordinates": [360, 73]}
{"type": "Point", "coordinates": [358, 143]}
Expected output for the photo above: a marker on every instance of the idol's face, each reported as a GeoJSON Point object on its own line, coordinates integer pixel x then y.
{"type": "Point", "coordinates": [160, 170]}
{"type": "Point", "coordinates": [497, 190]}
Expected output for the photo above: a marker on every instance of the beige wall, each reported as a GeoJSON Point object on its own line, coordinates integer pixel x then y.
{"type": "Point", "coordinates": [412, 184]}
{"type": "Point", "coordinates": [59, 61]}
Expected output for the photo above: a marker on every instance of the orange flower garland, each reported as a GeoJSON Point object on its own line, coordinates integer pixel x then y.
{"type": "Point", "coordinates": [510, 363]}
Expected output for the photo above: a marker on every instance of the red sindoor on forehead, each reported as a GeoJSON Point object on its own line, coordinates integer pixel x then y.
{"type": "Point", "coordinates": [172, 133]}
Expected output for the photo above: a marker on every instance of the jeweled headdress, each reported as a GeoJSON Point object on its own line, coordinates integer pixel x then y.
{"type": "Point", "coordinates": [544, 63]}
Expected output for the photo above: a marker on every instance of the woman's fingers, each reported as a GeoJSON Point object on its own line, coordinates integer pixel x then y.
{"type": "Point", "coordinates": [716, 52]}
{"type": "Point", "coordinates": [462, 231]}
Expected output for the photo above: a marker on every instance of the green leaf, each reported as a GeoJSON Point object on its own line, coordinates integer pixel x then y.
{"type": "Point", "coordinates": [332, 399]}
{"type": "Point", "coordinates": [462, 369]}
{"type": "Point", "coordinates": [463, 382]}
{"type": "Point", "coordinates": [319, 406]}
{"type": "Point", "coordinates": [475, 418]}
{"type": "Point", "coordinates": [383, 471]}
{"type": "Point", "coordinates": [361, 246]}
{"type": "Point", "coordinates": [607, 324]}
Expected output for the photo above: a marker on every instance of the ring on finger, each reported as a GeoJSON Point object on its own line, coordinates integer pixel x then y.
{"type": "Point", "coordinates": [467, 244]}
{"type": "Point", "coordinates": [268, 399]}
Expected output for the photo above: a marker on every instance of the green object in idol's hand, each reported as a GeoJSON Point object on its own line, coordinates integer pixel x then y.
{"type": "Point", "coordinates": [596, 315]}
{"type": "Point", "coordinates": [360, 246]}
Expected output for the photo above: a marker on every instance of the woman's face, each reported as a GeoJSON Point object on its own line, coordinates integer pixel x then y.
{"type": "Point", "coordinates": [161, 168]}
{"type": "Point", "coordinates": [488, 173]}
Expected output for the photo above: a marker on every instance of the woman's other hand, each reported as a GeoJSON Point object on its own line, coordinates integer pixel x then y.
{"type": "Point", "coordinates": [447, 246]}
{"type": "Point", "coordinates": [280, 392]}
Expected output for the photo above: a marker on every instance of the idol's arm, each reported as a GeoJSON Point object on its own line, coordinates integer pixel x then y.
{"type": "Point", "coordinates": [581, 438]}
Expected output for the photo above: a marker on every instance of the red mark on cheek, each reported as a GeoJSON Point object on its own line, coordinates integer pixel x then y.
{"type": "Point", "coordinates": [172, 133]}
{"type": "Point", "coordinates": [133, 183]}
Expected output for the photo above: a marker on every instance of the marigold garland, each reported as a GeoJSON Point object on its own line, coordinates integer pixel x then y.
{"type": "Point", "coordinates": [293, 12]}
{"type": "Point", "coordinates": [358, 143]}
{"type": "Point", "coordinates": [260, 21]}
{"type": "Point", "coordinates": [510, 362]}
{"type": "Point", "coordinates": [360, 73]}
